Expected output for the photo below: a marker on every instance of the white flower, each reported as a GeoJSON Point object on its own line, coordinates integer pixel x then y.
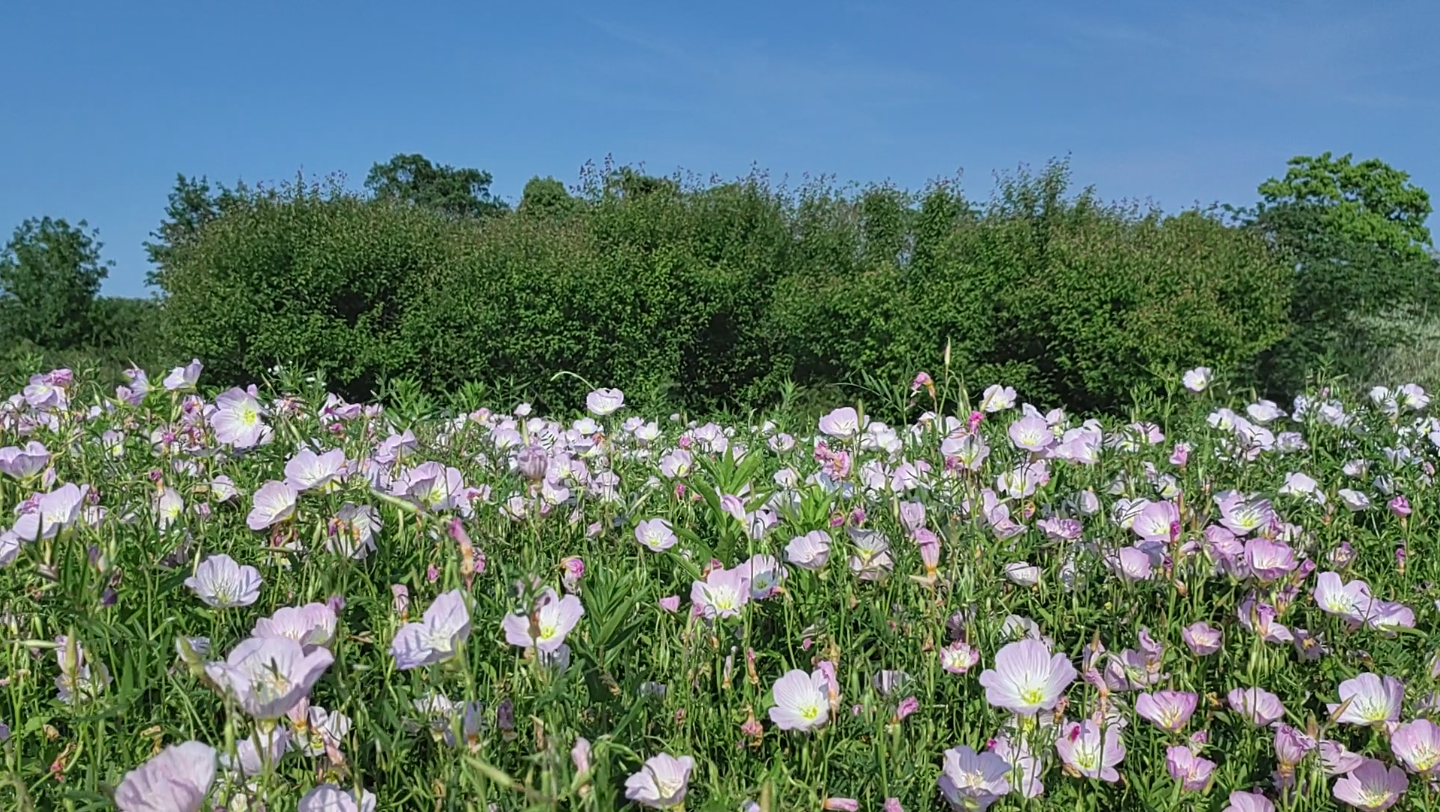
{"type": "Point", "coordinates": [222, 583]}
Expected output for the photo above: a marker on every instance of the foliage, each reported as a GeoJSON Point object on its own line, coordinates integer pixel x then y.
{"type": "Point", "coordinates": [1355, 236]}
{"type": "Point", "coordinates": [50, 274]}
{"type": "Point", "coordinates": [414, 180]}
{"type": "Point", "coordinates": [309, 275]}
{"type": "Point", "coordinates": [1369, 203]}
{"type": "Point", "coordinates": [1068, 300]}
{"type": "Point", "coordinates": [191, 206]}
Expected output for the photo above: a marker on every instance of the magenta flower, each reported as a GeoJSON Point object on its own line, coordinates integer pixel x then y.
{"type": "Point", "coordinates": [661, 782]}
{"type": "Point", "coordinates": [1417, 744]}
{"type": "Point", "coordinates": [176, 780]}
{"type": "Point", "coordinates": [1193, 772]}
{"type": "Point", "coordinates": [1256, 704]}
{"type": "Point", "coordinates": [1201, 638]}
{"type": "Point", "coordinates": [1169, 710]}
{"type": "Point", "coordinates": [1368, 700]}
{"type": "Point", "coordinates": [1027, 678]}
{"type": "Point", "coordinates": [223, 583]}
{"type": "Point", "coordinates": [1371, 786]}
{"type": "Point", "coordinates": [437, 637]}
{"type": "Point", "coordinates": [269, 676]}
{"type": "Point", "coordinates": [546, 627]}
{"type": "Point", "coordinates": [972, 781]}
{"type": "Point", "coordinates": [1088, 751]}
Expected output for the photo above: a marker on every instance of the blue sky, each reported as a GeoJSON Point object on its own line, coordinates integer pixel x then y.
{"type": "Point", "coordinates": [1175, 102]}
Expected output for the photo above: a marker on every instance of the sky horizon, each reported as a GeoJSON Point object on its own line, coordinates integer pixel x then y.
{"type": "Point", "coordinates": [1150, 102]}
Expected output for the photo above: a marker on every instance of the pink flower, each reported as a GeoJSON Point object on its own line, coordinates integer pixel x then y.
{"type": "Point", "coordinates": [311, 625]}
{"type": "Point", "coordinates": [1334, 596]}
{"type": "Point", "coordinates": [1249, 802]}
{"type": "Point", "coordinates": [546, 627]}
{"type": "Point", "coordinates": [959, 657]}
{"type": "Point", "coordinates": [1291, 745]}
{"type": "Point", "coordinates": [445, 625]}
{"type": "Point", "coordinates": [801, 701]}
{"type": "Point", "coordinates": [661, 782]}
{"type": "Point", "coordinates": [269, 676]}
{"type": "Point", "coordinates": [1371, 786]}
{"type": "Point", "coordinates": [1256, 704]}
{"type": "Point", "coordinates": [1269, 560]}
{"type": "Point", "coordinates": [1027, 678]}
{"type": "Point", "coordinates": [1368, 700]}
{"type": "Point", "coordinates": [843, 423]}
{"type": "Point", "coordinates": [670, 603]}
{"type": "Point", "coordinates": [176, 780]}
{"type": "Point", "coordinates": [972, 781]}
{"type": "Point", "coordinates": [1201, 638]}
{"type": "Point", "coordinates": [1088, 751]}
{"type": "Point", "coordinates": [1169, 710]}
{"type": "Point", "coordinates": [722, 594]}
{"type": "Point", "coordinates": [1193, 772]}
{"type": "Point", "coordinates": [1417, 744]}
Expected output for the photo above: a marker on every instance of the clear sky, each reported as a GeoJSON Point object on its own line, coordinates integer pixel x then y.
{"type": "Point", "coordinates": [1177, 102]}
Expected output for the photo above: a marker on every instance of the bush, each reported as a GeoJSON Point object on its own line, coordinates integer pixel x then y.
{"type": "Point", "coordinates": [312, 277]}
{"type": "Point", "coordinates": [646, 291]}
{"type": "Point", "coordinates": [1065, 299]}
{"type": "Point", "coordinates": [710, 296]}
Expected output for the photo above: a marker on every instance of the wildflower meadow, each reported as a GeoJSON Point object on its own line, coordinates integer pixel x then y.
{"type": "Point", "coordinates": [269, 598]}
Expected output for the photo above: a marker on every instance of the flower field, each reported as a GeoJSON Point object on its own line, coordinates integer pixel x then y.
{"type": "Point", "coordinates": [277, 600]}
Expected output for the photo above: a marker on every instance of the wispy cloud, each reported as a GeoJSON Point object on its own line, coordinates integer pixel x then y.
{"type": "Point", "coordinates": [751, 74]}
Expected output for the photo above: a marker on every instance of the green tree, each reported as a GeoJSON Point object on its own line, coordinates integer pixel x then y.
{"type": "Point", "coordinates": [192, 205]}
{"type": "Point", "coordinates": [50, 274]}
{"type": "Point", "coordinates": [1355, 238]}
{"type": "Point", "coordinates": [546, 197]}
{"type": "Point", "coordinates": [413, 179]}
{"type": "Point", "coordinates": [1368, 203]}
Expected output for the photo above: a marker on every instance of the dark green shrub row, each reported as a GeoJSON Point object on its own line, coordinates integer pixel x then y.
{"type": "Point", "coordinates": [708, 296]}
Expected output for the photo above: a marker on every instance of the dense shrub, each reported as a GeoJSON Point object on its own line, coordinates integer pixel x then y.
{"type": "Point", "coordinates": [650, 291]}
{"type": "Point", "coordinates": [312, 277]}
{"type": "Point", "coordinates": [711, 295]}
{"type": "Point", "coordinates": [1067, 299]}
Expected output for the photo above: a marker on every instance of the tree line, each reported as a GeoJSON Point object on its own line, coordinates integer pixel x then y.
{"type": "Point", "coordinates": [708, 294]}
